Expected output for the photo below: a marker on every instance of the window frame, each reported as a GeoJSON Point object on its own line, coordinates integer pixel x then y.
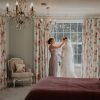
{"type": "Point", "coordinates": [73, 43]}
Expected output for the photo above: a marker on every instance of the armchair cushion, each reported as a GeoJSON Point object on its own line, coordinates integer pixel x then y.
{"type": "Point", "coordinates": [22, 75]}
{"type": "Point", "coordinates": [20, 67]}
{"type": "Point", "coordinates": [12, 63]}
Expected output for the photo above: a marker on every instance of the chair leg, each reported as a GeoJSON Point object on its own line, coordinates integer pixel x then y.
{"type": "Point", "coordinates": [14, 81]}
{"type": "Point", "coordinates": [31, 81]}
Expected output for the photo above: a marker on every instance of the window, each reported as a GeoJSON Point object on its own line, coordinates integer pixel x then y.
{"type": "Point", "coordinates": [73, 30]}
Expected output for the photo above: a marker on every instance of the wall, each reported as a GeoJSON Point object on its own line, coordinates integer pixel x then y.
{"type": "Point", "coordinates": [21, 42]}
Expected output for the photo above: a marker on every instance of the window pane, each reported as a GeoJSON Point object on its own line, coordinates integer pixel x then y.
{"type": "Point", "coordinates": [54, 35]}
{"type": "Point", "coordinates": [79, 27]}
{"type": "Point", "coordinates": [79, 49]}
{"type": "Point", "coordinates": [73, 27]}
{"type": "Point", "coordinates": [66, 27]}
{"type": "Point", "coordinates": [54, 28]}
{"type": "Point", "coordinates": [67, 35]}
{"type": "Point", "coordinates": [79, 37]}
{"type": "Point", "coordinates": [76, 59]}
{"type": "Point", "coordinates": [59, 36]}
{"type": "Point", "coordinates": [59, 27]}
{"type": "Point", "coordinates": [75, 48]}
{"type": "Point", "coordinates": [74, 32]}
{"type": "Point", "coordinates": [74, 37]}
{"type": "Point", "coordinates": [79, 59]}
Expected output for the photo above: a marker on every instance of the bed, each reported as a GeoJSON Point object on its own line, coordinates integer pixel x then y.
{"type": "Point", "coordinates": [53, 88]}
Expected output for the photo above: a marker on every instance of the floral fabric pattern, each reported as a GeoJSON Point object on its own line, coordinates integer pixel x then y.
{"type": "Point", "coordinates": [91, 48]}
{"type": "Point", "coordinates": [2, 54]}
{"type": "Point", "coordinates": [41, 54]}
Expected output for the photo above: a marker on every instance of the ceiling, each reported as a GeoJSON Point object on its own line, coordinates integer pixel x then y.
{"type": "Point", "coordinates": [61, 7]}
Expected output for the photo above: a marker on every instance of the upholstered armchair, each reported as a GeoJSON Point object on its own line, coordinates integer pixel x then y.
{"type": "Point", "coordinates": [18, 71]}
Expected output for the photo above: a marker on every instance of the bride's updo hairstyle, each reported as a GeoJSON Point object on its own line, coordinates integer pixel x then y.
{"type": "Point", "coordinates": [50, 40]}
{"type": "Point", "coordinates": [65, 38]}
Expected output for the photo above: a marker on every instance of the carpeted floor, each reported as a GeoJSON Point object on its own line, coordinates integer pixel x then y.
{"type": "Point", "coordinates": [18, 93]}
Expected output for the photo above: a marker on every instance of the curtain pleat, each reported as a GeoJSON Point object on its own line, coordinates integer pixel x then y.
{"type": "Point", "coordinates": [41, 53]}
{"type": "Point", "coordinates": [91, 50]}
{"type": "Point", "coordinates": [3, 68]}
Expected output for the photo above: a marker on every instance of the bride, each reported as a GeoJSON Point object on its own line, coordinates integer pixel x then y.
{"type": "Point", "coordinates": [67, 67]}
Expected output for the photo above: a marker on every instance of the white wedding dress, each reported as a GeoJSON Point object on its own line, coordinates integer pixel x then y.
{"type": "Point", "coordinates": [67, 66]}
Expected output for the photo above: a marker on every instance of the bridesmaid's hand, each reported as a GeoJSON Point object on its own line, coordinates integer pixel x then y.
{"type": "Point", "coordinates": [63, 41]}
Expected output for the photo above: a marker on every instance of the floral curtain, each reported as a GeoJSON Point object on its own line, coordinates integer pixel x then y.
{"type": "Point", "coordinates": [3, 74]}
{"type": "Point", "coordinates": [41, 54]}
{"type": "Point", "coordinates": [91, 48]}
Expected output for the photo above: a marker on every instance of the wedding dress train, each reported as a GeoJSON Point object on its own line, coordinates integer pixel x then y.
{"type": "Point", "coordinates": [67, 66]}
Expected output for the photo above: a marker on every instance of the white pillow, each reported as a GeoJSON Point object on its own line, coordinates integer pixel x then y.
{"type": "Point", "coordinates": [20, 67]}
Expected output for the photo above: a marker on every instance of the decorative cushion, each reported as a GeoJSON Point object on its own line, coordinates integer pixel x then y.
{"type": "Point", "coordinates": [20, 67]}
{"type": "Point", "coordinates": [13, 61]}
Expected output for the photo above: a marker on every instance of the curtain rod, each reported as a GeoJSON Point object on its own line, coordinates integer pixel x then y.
{"type": "Point", "coordinates": [67, 17]}
{"type": "Point", "coordinates": [62, 17]}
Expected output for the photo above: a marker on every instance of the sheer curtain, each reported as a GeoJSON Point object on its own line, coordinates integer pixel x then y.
{"type": "Point", "coordinates": [91, 50]}
{"type": "Point", "coordinates": [41, 52]}
{"type": "Point", "coordinates": [2, 53]}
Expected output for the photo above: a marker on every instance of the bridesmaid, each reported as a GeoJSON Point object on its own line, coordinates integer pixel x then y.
{"type": "Point", "coordinates": [54, 60]}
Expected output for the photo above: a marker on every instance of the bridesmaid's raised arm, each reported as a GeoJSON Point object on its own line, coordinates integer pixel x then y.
{"type": "Point", "coordinates": [58, 46]}
{"type": "Point", "coordinates": [51, 42]}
